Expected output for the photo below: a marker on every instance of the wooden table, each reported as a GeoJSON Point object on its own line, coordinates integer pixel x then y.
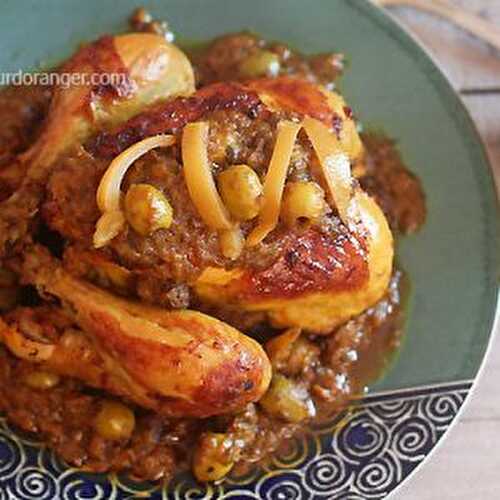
{"type": "Point", "coordinates": [467, 464]}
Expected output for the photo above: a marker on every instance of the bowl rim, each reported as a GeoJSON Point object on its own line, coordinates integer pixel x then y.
{"type": "Point", "coordinates": [490, 314]}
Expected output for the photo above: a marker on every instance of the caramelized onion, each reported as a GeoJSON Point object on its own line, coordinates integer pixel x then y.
{"type": "Point", "coordinates": [275, 181]}
{"type": "Point", "coordinates": [334, 162]}
{"type": "Point", "coordinates": [199, 178]}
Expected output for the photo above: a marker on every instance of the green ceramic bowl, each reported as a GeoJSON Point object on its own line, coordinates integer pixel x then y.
{"type": "Point", "coordinates": [452, 262]}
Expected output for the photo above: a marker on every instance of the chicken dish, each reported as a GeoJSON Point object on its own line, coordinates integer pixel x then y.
{"type": "Point", "coordinates": [198, 261]}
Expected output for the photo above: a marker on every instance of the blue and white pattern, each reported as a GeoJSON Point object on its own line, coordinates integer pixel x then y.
{"type": "Point", "coordinates": [362, 455]}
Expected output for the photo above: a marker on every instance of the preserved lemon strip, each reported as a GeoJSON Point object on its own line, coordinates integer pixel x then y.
{"type": "Point", "coordinates": [232, 242]}
{"type": "Point", "coordinates": [109, 193]}
{"type": "Point", "coordinates": [108, 227]}
{"type": "Point", "coordinates": [275, 181]}
{"type": "Point", "coordinates": [199, 178]}
{"type": "Point", "coordinates": [334, 162]}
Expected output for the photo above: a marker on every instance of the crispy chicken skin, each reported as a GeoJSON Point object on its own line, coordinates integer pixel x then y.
{"type": "Point", "coordinates": [179, 363]}
{"type": "Point", "coordinates": [258, 97]}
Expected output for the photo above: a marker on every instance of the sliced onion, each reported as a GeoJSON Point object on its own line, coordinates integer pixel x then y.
{"type": "Point", "coordinates": [275, 181]}
{"type": "Point", "coordinates": [23, 347]}
{"type": "Point", "coordinates": [199, 178]}
{"type": "Point", "coordinates": [334, 162]}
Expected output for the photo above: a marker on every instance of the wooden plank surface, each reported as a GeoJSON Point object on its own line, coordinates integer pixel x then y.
{"type": "Point", "coordinates": [467, 464]}
{"type": "Point", "coordinates": [469, 63]}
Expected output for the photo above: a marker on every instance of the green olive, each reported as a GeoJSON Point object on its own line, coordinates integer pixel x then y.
{"type": "Point", "coordinates": [286, 400]}
{"type": "Point", "coordinates": [147, 209]}
{"type": "Point", "coordinates": [42, 380]}
{"type": "Point", "coordinates": [302, 200]}
{"type": "Point", "coordinates": [260, 63]}
{"type": "Point", "coordinates": [212, 460]}
{"type": "Point", "coordinates": [115, 421]}
{"type": "Point", "coordinates": [241, 191]}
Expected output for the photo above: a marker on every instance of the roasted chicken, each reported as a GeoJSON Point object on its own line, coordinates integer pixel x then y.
{"type": "Point", "coordinates": [314, 276]}
{"type": "Point", "coordinates": [178, 363]}
{"type": "Point", "coordinates": [238, 197]}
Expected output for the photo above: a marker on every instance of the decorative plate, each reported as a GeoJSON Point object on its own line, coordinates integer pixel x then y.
{"type": "Point", "coordinates": [453, 261]}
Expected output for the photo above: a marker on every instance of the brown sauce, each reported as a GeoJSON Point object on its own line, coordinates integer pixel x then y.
{"type": "Point", "coordinates": [330, 370]}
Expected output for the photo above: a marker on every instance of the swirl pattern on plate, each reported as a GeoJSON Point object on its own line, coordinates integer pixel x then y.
{"type": "Point", "coordinates": [363, 454]}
